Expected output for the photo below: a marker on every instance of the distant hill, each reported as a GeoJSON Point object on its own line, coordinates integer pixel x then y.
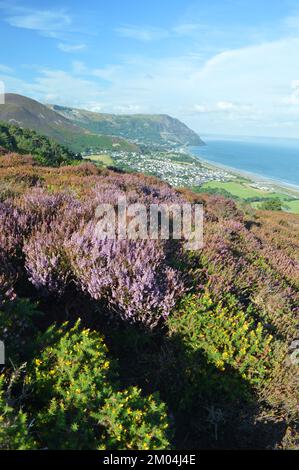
{"type": "Point", "coordinates": [141, 128]}
{"type": "Point", "coordinates": [26, 141]}
{"type": "Point", "coordinates": [28, 113]}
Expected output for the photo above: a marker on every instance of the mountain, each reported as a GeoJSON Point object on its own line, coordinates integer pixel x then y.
{"type": "Point", "coordinates": [141, 128]}
{"type": "Point", "coordinates": [28, 113]}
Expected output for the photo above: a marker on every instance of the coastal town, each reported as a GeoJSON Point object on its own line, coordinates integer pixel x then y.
{"type": "Point", "coordinates": [181, 169]}
{"type": "Point", "coordinates": [176, 167]}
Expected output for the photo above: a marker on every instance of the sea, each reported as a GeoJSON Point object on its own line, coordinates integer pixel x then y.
{"type": "Point", "coordinates": [270, 158]}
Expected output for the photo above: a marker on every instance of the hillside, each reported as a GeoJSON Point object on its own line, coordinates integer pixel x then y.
{"type": "Point", "coordinates": [142, 128]}
{"type": "Point", "coordinates": [218, 324]}
{"type": "Point", "coordinates": [28, 113]}
{"type": "Point", "coordinates": [26, 141]}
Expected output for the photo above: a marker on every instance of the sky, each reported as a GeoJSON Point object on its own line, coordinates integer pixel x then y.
{"type": "Point", "coordinates": [226, 67]}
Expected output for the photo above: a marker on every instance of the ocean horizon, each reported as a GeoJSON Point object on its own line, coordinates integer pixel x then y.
{"type": "Point", "coordinates": [276, 159]}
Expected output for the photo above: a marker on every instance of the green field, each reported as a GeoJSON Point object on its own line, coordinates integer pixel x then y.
{"type": "Point", "coordinates": [289, 206]}
{"type": "Point", "coordinates": [293, 206]}
{"type": "Point", "coordinates": [103, 158]}
{"type": "Point", "coordinates": [242, 190]}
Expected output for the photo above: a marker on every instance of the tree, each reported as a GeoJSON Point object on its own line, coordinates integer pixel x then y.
{"type": "Point", "coordinates": [271, 205]}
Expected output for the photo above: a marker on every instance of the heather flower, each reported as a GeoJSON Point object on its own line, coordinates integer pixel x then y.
{"type": "Point", "coordinates": [12, 223]}
{"type": "Point", "coordinates": [132, 276]}
{"type": "Point", "coordinates": [45, 262]}
{"type": "Point", "coordinates": [7, 280]}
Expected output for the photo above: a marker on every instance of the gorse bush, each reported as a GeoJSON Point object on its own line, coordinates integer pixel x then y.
{"type": "Point", "coordinates": [236, 261]}
{"type": "Point", "coordinates": [228, 336]}
{"type": "Point", "coordinates": [134, 422]}
{"type": "Point", "coordinates": [14, 425]}
{"type": "Point", "coordinates": [74, 386]}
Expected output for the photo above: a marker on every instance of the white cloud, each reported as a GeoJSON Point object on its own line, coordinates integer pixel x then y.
{"type": "Point", "coordinates": [46, 22]}
{"type": "Point", "coordinates": [225, 108]}
{"type": "Point", "coordinates": [188, 29]}
{"type": "Point", "coordinates": [291, 23]}
{"type": "Point", "coordinates": [142, 34]}
{"type": "Point", "coordinates": [200, 108]}
{"type": "Point", "coordinates": [71, 48]}
{"type": "Point", "coordinates": [237, 91]}
{"type": "Point", "coordinates": [293, 98]}
{"type": "Point", "coordinates": [128, 108]}
{"type": "Point", "coordinates": [150, 33]}
{"type": "Point", "coordinates": [106, 73]}
{"type": "Point", "coordinates": [248, 90]}
{"type": "Point", "coordinates": [58, 86]}
{"type": "Point", "coordinates": [5, 69]}
{"type": "Point", "coordinates": [225, 105]}
{"type": "Point", "coordinates": [79, 67]}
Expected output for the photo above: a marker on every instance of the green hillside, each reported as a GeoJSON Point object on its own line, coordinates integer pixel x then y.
{"type": "Point", "coordinates": [27, 141]}
{"type": "Point", "coordinates": [97, 143]}
{"type": "Point", "coordinates": [142, 128]}
{"type": "Point", "coordinates": [28, 113]}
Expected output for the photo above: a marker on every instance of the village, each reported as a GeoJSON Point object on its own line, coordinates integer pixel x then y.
{"type": "Point", "coordinates": [177, 167]}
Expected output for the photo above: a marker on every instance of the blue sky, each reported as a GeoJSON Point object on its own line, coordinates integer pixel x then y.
{"type": "Point", "coordinates": [222, 66]}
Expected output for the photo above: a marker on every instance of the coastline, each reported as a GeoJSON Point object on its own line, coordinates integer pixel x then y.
{"type": "Point", "coordinates": [282, 185]}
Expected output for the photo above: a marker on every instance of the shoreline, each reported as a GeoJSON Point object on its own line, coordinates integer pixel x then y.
{"type": "Point", "coordinates": [254, 177]}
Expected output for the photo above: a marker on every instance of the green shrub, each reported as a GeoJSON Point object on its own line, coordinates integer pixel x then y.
{"type": "Point", "coordinates": [80, 404]}
{"type": "Point", "coordinates": [134, 422]}
{"type": "Point", "coordinates": [17, 329]}
{"type": "Point", "coordinates": [228, 336]}
{"type": "Point", "coordinates": [271, 205]}
{"type": "Point", "coordinates": [27, 141]}
{"type": "Point", "coordinates": [14, 427]}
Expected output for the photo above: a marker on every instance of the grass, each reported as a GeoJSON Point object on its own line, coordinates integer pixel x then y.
{"type": "Point", "coordinates": [289, 206]}
{"type": "Point", "coordinates": [104, 158]}
{"type": "Point", "coordinates": [293, 206]}
{"type": "Point", "coordinates": [236, 189]}
{"type": "Point", "coordinates": [241, 190]}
